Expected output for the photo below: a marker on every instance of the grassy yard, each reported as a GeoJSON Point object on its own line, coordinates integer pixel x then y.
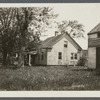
{"type": "Point", "coordinates": [48, 78]}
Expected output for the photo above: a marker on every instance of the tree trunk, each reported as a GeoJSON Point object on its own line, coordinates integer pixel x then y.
{"type": "Point", "coordinates": [4, 58]}
{"type": "Point", "coordinates": [21, 58]}
{"type": "Point", "coordinates": [4, 51]}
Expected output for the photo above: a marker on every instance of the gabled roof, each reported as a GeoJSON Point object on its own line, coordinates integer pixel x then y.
{"type": "Point", "coordinates": [49, 42]}
{"type": "Point", "coordinates": [96, 29]}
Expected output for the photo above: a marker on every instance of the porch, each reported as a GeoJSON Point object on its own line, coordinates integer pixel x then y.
{"type": "Point", "coordinates": [30, 58]}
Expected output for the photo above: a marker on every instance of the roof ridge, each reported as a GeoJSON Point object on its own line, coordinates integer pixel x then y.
{"type": "Point", "coordinates": [48, 40]}
{"type": "Point", "coordinates": [57, 37]}
{"type": "Point", "coordinates": [51, 38]}
{"type": "Point", "coordinates": [74, 40]}
{"type": "Point", "coordinates": [54, 39]}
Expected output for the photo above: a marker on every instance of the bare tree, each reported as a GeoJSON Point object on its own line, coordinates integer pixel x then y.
{"type": "Point", "coordinates": [72, 27]}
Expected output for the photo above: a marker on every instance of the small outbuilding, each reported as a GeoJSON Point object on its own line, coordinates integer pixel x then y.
{"type": "Point", "coordinates": [94, 48]}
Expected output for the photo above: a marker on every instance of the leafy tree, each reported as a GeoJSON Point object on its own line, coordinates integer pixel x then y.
{"type": "Point", "coordinates": [17, 25]}
{"type": "Point", "coordinates": [72, 27]}
{"type": "Point", "coordinates": [32, 22]}
{"type": "Point", "coordinates": [7, 32]}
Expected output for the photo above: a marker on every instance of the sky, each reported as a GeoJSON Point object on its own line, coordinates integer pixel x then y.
{"type": "Point", "coordinates": [87, 14]}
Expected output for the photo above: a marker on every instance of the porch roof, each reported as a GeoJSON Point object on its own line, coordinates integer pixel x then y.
{"type": "Point", "coordinates": [31, 52]}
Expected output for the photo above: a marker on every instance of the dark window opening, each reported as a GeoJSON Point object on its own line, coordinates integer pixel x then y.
{"type": "Point", "coordinates": [65, 45]}
{"type": "Point", "coordinates": [75, 56]}
{"type": "Point", "coordinates": [98, 35]}
{"type": "Point", "coordinates": [59, 55]}
{"type": "Point", "coordinates": [42, 56]}
{"type": "Point", "coordinates": [72, 56]}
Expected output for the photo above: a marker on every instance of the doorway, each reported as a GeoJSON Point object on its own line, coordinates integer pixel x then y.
{"type": "Point", "coordinates": [33, 57]}
{"type": "Point", "coordinates": [98, 57]}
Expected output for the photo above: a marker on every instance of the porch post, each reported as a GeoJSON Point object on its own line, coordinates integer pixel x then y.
{"type": "Point", "coordinates": [29, 60]}
{"type": "Point", "coordinates": [16, 54]}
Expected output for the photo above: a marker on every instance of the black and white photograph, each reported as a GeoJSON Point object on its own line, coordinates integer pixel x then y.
{"type": "Point", "coordinates": [50, 47]}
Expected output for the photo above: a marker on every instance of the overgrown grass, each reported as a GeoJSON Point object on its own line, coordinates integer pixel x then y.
{"type": "Point", "coordinates": [48, 78]}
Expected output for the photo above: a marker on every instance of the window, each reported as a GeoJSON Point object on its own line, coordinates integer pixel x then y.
{"type": "Point", "coordinates": [59, 55]}
{"type": "Point", "coordinates": [98, 35]}
{"type": "Point", "coordinates": [42, 56]}
{"type": "Point", "coordinates": [65, 44]}
{"type": "Point", "coordinates": [73, 55]}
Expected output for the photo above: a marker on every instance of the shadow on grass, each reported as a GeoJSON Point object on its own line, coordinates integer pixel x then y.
{"type": "Point", "coordinates": [95, 72]}
{"type": "Point", "coordinates": [20, 84]}
{"type": "Point", "coordinates": [13, 67]}
{"type": "Point", "coordinates": [38, 84]}
{"type": "Point", "coordinates": [91, 70]}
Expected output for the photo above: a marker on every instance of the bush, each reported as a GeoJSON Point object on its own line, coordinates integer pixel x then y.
{"type": "Point", "coordinates": [82, 61]}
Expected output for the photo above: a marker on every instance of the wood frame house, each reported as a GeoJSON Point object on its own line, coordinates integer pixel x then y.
{"type": "Point", "coordinates": [94, 48]}
{"type": "Point", "coordinates": [58, 50]}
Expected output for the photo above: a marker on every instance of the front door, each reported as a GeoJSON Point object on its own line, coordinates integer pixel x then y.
{"type": "Point", "coordinates": [33, 59]}
{"type": "Point", "coordinates": [98, 57]}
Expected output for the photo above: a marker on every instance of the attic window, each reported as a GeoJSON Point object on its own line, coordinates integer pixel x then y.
{"type": "Point", "coordinates": [65, 44]}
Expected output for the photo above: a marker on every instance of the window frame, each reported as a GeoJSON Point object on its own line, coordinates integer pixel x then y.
{"type": "Point", "coordinates": [65, 44]}
{"type": "Point", "coordinates": [60, 55]}
{"type": "Point", "coordinates": [74, 56]}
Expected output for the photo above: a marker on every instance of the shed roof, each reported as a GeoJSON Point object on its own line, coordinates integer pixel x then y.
{"type": "Point", "coordinates": [96, 29]}
{"type": "Point", "coordinates": [49, 42]}
{"type": "Point", "coordinates": [95, 42]}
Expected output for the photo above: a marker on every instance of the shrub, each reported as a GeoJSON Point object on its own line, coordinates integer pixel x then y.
{"type": "Point", "coordinates": [82, 61]}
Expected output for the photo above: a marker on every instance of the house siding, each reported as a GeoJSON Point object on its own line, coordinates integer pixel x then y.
{"type": "Point", "coordinates": [39, 60]}
{"type": "Point", "coordinates": [92, 36]}
{"type": "Point", "coordinates": [72, 49]}
{"type": "Point", "coordinates": [92, 57]}
{"type": "Point", "coordinates": [52, 55]}
{"type": "Point", "coordinates": [93, 43]}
